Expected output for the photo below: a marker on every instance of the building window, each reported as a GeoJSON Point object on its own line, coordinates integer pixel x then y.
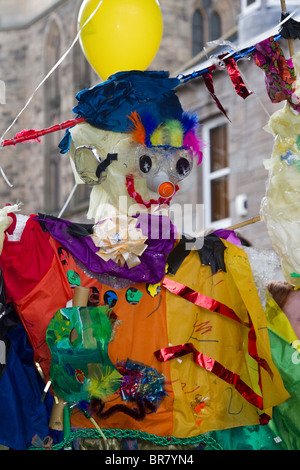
{"type": "Point", "coordinates": [197, 32]}
{"type": "Point", "coordinates": [215, 26]}
{"type": "Point", "coordinates": [216, 174]}
{"type": "Point", "coordinates": [206, 26]}
{"type": "Point", "coordinates": [52, 116]}
{"type": "Point", "coordinates": [250, 4]}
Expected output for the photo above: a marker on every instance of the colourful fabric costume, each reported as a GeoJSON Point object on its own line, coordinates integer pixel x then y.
{"type": "Point", "coordinates": [202, 329]}
{"type": "Point", "coordinates": [173, 342]}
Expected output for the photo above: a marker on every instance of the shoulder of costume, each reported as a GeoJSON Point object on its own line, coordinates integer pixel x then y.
{"type": "Point", "coordinates": [15, 230]}
{"type": "Point", "coordinates": [210, 248]}
{"type": "Point", "coordinates": [73, 228]}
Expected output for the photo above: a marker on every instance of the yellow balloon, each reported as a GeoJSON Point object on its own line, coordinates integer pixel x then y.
{"type": "Point", "coordinates": [122, 35]}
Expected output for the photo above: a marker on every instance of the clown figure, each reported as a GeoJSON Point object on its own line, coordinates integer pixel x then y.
{"type": "Point", "coordinates": [177, 345]}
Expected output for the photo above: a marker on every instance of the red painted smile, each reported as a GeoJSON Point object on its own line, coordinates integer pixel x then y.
{"type": "Point", "coordinates": [138, 198]}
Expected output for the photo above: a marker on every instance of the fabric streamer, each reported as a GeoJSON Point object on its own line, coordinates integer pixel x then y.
{"type": "Point", "coordinates": [236, 78]}
{"type": "Point", "coordinates": [207, 77]}
{"type": "Point", "coordinates": [198, 299]}
{"type": "Point", "coordinates": [209, 364]}
{"type": "Point", "coordinates": [280, 74]}
{"type": "Point", "coordinates": [214, 306]}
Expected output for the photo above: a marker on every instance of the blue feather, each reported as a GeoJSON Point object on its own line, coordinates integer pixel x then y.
{"type": "Point", "coordinates": [150, 123]}
{"type": "Point", "coordinates": [189, 121]}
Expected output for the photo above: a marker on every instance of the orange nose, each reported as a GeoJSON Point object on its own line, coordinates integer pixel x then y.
{"type": "Point", "coordinates": [166, 189]}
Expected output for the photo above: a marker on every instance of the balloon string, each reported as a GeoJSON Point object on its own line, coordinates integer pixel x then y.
{"type": "Point", "coordinates": [51, 71]}
{"type": "Point", "coordinates": [5, 177]}
{"type": "Point", "coordinates": [68, 200]}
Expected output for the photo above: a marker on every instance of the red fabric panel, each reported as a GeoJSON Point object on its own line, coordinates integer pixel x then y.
{"type": "Point", "coordinates": [25, 262]}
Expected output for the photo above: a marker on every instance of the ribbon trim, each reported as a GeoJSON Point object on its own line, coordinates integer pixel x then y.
{"type": "Point", "coordinates": [198, 299]}
{"type": "Point", "coordinates": [207, 77]}
{"type": "Point", "coordinates": [236, 78]}
{"type": "Point", "coordinates": [211, 365]}
{"type": "Point", "coordinates": [208, 303]}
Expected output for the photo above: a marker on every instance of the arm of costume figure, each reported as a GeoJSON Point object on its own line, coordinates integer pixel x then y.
{"type": "Point", "coordinates": [6, 221]}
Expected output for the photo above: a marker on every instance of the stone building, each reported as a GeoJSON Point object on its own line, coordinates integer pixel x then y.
{"type": "Point", "coordinates": [231, 181]}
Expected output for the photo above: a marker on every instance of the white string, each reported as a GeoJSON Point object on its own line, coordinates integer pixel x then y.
{"type": "Point", "coordinates": [52, 70]}
{"type": "Point", "coordinates": [5, 177]}
{"type": "Point", "coordinates": [256, 96]}
{"type": "Point", "coordinates": [68, 200]}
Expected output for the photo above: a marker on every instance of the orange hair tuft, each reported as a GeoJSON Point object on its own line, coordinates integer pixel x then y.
{"type": "Point", "coordinates": [138, 130]}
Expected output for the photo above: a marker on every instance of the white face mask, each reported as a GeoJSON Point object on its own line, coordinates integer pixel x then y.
{"type": "Point", "coordinates": [154, 163]}
{"type": "Point", "coordinates": [177, 163]}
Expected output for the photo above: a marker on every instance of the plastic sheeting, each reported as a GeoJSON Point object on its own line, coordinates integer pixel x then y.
{"type": "Point", "coordinates": [280, 208]}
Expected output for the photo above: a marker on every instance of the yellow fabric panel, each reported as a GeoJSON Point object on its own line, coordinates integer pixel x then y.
{"type": "Point", "coordinates": [203, 401]}
{"type": "Point", "coordinates": [278, 321]}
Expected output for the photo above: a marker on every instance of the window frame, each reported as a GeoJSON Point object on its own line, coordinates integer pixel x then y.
{"type": "Point", "coordinates": [208, 176]}
{"type": "Point", "coordinates": [206, 14]}
{"type": "Point", "coordinates": [195, 39]}
{"type": "Point", "coordinates": [247, 8]}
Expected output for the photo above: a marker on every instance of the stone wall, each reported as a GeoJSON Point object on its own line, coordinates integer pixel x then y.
{"type": "Point", "coordinates": [23, 66]}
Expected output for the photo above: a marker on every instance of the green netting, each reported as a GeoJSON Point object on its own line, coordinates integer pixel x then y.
{"type": "Point", "coordinates": [248, 438]}
{"type": "Point", "coordinates": [207, 441]}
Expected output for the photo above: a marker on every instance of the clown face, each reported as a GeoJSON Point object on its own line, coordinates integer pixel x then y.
{"type": "Point", "coordinates": [132, 172]}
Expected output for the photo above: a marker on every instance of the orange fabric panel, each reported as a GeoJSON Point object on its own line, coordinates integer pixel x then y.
{"type": "Point", "coordinates": [141, 330]}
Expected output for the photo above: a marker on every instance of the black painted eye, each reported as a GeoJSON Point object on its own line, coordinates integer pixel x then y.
{"type": "Point", "coordinates": [145, 163]}
{"type": "Point", "coordinates": [183, 166]}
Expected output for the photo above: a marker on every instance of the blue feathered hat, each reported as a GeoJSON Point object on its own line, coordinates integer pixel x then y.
{"type": "Point", "coordinates": [108, 105]}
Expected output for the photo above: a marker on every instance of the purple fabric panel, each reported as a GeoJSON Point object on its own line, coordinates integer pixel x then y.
{"type": "Point", "coordinates": [161, 238]}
